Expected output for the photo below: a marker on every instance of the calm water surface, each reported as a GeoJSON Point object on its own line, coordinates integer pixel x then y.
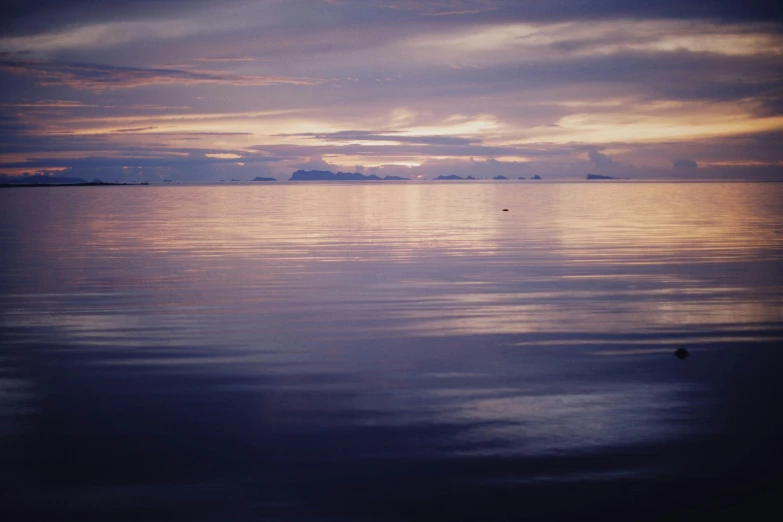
{"type": "Point", "coordinates": [391, 352]}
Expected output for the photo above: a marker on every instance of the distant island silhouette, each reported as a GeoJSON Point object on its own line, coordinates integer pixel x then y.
{"type": "Point", "coordinates": [325, 175]}
{"type": "Point", "coordinates": [599, 176]}
{"type": "Point", "coordinates": [259, 178]}
{"type": "Point", "coordinates": [453, 176]}
{"type": "Point", "coordinates": [500, 177]}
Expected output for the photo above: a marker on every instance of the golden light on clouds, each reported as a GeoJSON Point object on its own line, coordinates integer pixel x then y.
{"type": "Point", "coordinates": [711, 122]}
{"type": "Point", "coordinates": [223, 155]}
{"type": "Point", "coordinates": [503, 43]}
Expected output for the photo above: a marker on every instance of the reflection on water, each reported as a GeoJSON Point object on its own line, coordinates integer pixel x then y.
{"type": "Point", "coordinates": [357, 351]}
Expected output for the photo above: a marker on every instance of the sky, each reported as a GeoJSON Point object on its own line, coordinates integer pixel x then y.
{"type": "Point", "coordinates": [202, 90]}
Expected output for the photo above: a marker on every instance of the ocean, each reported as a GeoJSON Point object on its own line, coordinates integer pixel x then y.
{"type": "Point", "coordinates": [391, 351]}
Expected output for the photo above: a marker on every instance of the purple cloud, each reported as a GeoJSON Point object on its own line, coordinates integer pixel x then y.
{"type": "Point", "coordinates": [684, 164]}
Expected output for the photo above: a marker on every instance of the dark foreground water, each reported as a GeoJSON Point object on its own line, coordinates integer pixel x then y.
{"type": "Point", "coordinates": [391, 352]}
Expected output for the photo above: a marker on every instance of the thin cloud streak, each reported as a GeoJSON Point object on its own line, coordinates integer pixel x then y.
{"type": "Point", "coordinates": [98, 77]}
{"type": "Point", "coordinates": [388, 136]}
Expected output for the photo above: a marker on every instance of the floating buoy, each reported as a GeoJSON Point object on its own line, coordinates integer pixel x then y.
{"type": "Point", "coordinates": [681, 353]}
{"type": "Point", "coordinates": [505, 210]}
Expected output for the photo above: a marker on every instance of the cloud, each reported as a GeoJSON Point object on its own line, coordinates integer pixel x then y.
{"type": "Point", "coordinates": [110, 161]}
{"type": "Point", "coordinates": [412, 151]}
{"type": "Point", "coordinates": [557, 86]}
{"type": "Point", "coordinates": [492, 167]}
{"type": "Point", "coordinates": [58, 104]}
{"type": "Point", "coordinates": [684, 164]}
{"type": "Point", "coordinates": [316, 162]}
{"type": "Point", "coordinates": [142, 131]}
{"type": "Point", "coordinates": [32, 16]}
{"type": "Point", "coordinates": [38, 14]}
{"type": "Point", "coordinates": [98, 77]}
{"type": "Point", "coordinates": [73, 104]}
{"type": "Point", "coordinates": [391, 136]}
{"type": "Point", "coordinates": [134, 130]}
{"type": "Point", "coordinates": [443, 7]}
{"type": "Point", "coordinates": [193, 172]}
{"type": "Point", "coordinates": [567, 10]}
{"type": "Point", "coordinates": [599, 159]}
{"type": "Point", "coordinates": [226, 59]}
